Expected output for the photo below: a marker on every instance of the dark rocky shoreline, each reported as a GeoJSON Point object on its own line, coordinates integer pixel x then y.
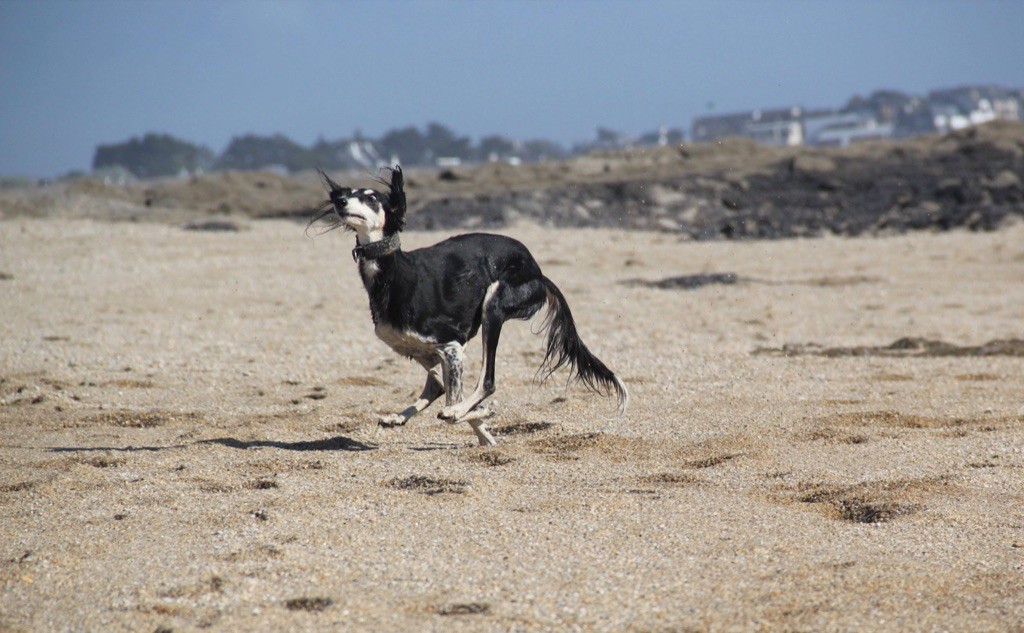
{"type": "Point", "coordinates": [734, 189]}
{"type": "Point", "coordinates": [971, 180]}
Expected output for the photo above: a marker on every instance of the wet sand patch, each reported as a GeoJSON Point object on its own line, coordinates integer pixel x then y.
{"type": "Point", "coordinates": [671, 479]}
{"type": "Point", "coordinates": [897, 419]}
{"type": "Point", "coordinates": [310, 605]}
{"type": "Point", "coordinates": [129, 383]}
{"type": "Point", "coordinates": [607, 445]}
{"type": "Point", "coordinates": [490, 457]}
{"type": "Point", "coordinates": [465, 608]}
{"type": "Point", "coordinates": [830, 435]}
{"type": "Point", "coordinates": [710, 461]}
{"type": "Point", "coordinates": [521, 428]}
{"type": "Point", "coordinates": [907, 347]}
{"type": "Point", "coordinates": [428, 485]}
{"type": "Point", "coordinates": [868, 502]}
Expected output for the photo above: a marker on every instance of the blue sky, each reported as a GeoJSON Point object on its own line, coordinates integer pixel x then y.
{"type": "Point", "coordinates": [76, 73]}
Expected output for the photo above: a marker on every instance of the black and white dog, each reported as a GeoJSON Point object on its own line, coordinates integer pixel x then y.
{"type": "Point", "coordinates": [428, 303]}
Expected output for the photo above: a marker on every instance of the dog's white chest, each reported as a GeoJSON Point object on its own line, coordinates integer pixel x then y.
{"type": "Point", "coordinates": [368, 269]}
{"type": "Point", "coordinates": [406, 343]}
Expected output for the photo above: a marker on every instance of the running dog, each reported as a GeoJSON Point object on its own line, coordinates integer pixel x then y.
{"type": "Point", "coordinates": [427, 304]}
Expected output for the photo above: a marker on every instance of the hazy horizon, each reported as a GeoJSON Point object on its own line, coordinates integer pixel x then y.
{"type": "Point", "coordinates": [77, 74]}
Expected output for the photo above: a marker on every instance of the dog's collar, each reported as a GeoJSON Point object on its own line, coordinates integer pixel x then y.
{"type": "Point", "coordinates": [378, 249]}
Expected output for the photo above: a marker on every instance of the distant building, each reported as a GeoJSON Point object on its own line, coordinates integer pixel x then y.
{"type": "Point", "coordinates": [958, 108]}
{"type": "Point", "coordinates": [781, 127]}
{"type": "Point", "coordinates": [883, 114]}
{"type": "Point", "coordinates": [793, 126]}
{"type": "Point", "coordinates": [661, 137]}
{"type": "Point", "coordinates": [908, 114]}
{"type": "Point", "coordinates": [777, 127]}
{"type": "Point", "coordinates": [835, 128]}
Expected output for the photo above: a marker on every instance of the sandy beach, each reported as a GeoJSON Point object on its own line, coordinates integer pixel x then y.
{"type": "Point", "coordinates": [188, 439]}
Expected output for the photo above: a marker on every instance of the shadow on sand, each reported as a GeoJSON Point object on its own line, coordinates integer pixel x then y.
{"type": "Point", "coordinates": [339, 443]}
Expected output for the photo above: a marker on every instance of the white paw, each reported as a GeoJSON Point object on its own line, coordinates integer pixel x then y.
{"type": "Point", "coordinates": [392, 420]}
{"type": "Point", "coordinates": [479, 413]}
{"type": "Point", "coordinates": [451, 414]}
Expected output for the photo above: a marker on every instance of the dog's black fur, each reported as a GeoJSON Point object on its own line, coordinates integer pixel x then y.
{"type": "Point", "coordinates": [428, 303]}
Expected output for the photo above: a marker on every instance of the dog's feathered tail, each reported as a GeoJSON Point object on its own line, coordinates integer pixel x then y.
{"type": "Point", "coordinates": [566, 348]}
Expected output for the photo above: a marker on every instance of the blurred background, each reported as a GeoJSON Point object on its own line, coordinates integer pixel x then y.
{"type": "Point", "coordinates": [156, 88]}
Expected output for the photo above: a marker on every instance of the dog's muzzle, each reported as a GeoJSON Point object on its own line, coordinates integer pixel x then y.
{"type": "Point", "coordinates": [339, 198]}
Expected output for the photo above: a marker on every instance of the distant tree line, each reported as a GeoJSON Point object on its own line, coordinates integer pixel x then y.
{"type": "Point", "coordinates": [154, 155]}
{"type": "Point", "coordinates": [160, 155]}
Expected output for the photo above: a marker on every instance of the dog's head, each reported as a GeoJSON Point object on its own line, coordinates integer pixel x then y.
{"type": "Point", "coordinates": [364, 211]}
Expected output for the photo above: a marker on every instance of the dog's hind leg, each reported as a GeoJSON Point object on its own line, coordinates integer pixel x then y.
{"type": "Point", "coordinates": [502, 301]}
{"type": "Point", "coordinates": [490, 329]}
{"type": "Point", "coordinates": [519, 299]}
{"type": "Point", "coordinates": [432, 390]}
{"type": "Point", "coordinates": [452, 360]}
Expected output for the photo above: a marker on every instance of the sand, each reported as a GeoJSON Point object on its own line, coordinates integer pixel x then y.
{"type": "Point", "coordinates": [188, 440]}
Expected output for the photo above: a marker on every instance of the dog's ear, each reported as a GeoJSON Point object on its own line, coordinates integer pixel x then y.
{"type": "Point", "coordinates": [331, 185]}
{"type": "Point", "coordinates": [396, 198]}
{"type": "Point", "coordinates": [334, 190]}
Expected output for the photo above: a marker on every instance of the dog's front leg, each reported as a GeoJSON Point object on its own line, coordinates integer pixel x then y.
{"type": "Point", "coordinates": [432, 390]}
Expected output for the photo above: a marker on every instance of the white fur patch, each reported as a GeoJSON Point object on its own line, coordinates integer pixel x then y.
{"type": "Point", "coordinates": [491, 290]}
{"type": "Point", "coordinates": [370, 268]}
{"type": "Point", "coordinates": [453, 357]}
{"type": "Point", "coordinates": [407, 343]}
{"type": "Point", "coordinates": [368, 223]}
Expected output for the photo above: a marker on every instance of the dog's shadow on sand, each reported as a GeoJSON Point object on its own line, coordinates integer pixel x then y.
{"type": "Point", "coordinates": [337, 443]}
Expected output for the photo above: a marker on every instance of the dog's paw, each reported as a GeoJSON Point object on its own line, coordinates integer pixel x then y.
{"type": "Point", "coordinates": [450, 414]}
{"type": "Point", "coordinates": [479, 413]}
{"type": "Point", "coordinates": [455, 413]}
{"type": "Point", "coordinates": [391, 421]}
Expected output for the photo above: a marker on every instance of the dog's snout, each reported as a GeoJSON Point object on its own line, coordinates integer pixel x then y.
{"type": "Point", "coordinates": [339, 200]}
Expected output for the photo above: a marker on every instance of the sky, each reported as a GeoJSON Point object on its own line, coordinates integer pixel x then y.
{"type": "Point", "coordinates": [77, 73]}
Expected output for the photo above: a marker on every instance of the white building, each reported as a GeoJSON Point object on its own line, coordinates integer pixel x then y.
{"type": "Point", "coordinates": [960, 108]}
{"type": "Point", "coordinates": [833, 128]}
